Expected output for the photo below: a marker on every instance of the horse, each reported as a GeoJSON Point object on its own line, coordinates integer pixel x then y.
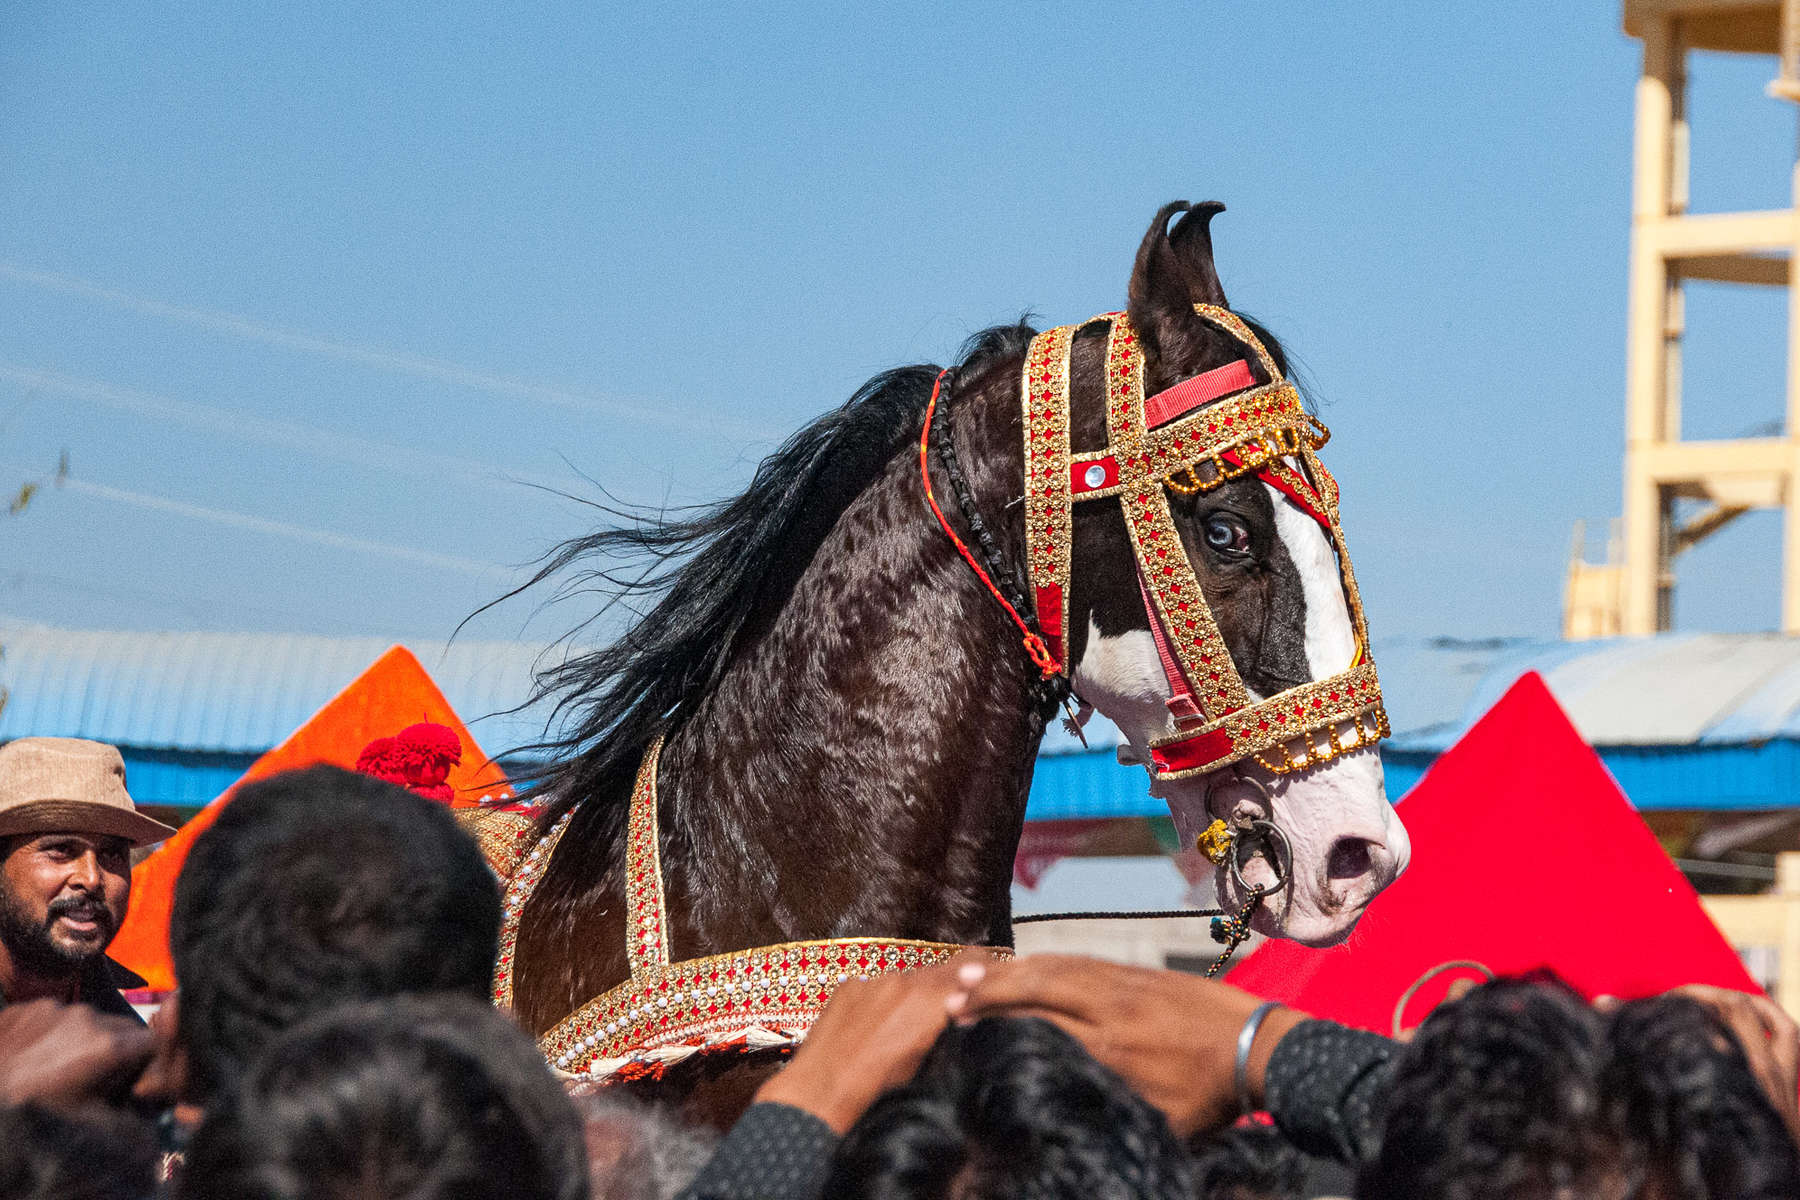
{"type": "Point", "coordinates": [843, 721]}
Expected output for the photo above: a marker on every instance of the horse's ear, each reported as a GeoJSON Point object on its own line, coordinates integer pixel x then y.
{"type": "Point", "coordinates": [1174, 272]}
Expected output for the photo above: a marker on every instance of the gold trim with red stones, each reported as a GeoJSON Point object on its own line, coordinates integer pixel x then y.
{"type": "Point", "coordinates": [1199, 448]}
{"type": "Point", "coordinates": [1044, 384]}
{"type": "Point", "coordinates": [1234, 325]}
{"type": "Point", "coordinates": [647, 917]}
{"type": "Point", "coordinates": [1163, 562]}
{"type": "Point", "coordinates": [500, 833]}
{"type": "Point", "coordinates": [1291, 724]}
{"type": "Point", "coordinates": [779, 990]}
{"type": "Point", "coordinates": [525, 878]}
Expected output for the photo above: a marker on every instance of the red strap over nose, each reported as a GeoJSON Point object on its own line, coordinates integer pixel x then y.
{"type": "Point", "coordinates": [1181, 703]}
{"type": "Point", "coordinates": [1295, 487]}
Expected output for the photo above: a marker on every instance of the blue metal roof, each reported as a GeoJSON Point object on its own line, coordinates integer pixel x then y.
{"type": "Point", "coordinates": [233, 693]}
{"type": "Point", "coordinates": [1671, 690]}
{"type": "Point", "coordinates": [1683, 721]}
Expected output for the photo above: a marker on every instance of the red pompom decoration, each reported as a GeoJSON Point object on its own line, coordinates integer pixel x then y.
{"type": "Point", "coordinates": [418, 758]}
{"type": "Point", "coordinates": [378, 759]}
{"type": "Point", "coordinates": [426, 744]}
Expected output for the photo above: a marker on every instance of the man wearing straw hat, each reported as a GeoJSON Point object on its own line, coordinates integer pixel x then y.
{"type": "Point", "coordinates": [67, 827]}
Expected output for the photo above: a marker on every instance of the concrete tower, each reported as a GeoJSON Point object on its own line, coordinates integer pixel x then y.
{"type": "Point", "coordinates": [1632, 591]}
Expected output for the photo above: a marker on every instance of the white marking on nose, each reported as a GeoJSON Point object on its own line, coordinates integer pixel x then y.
{"type": "Point", "coordinates": [1330, 639]}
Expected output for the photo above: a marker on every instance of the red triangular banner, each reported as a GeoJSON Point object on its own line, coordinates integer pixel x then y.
{"type": "Point", "coordinates": [1525, 854]}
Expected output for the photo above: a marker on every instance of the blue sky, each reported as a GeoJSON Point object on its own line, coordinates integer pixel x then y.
{"type": "Point", "coordinates": [310, 294]}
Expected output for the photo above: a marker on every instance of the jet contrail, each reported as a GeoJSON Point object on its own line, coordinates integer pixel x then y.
{"type": "Point", "coordinates": [283, 435]}
{"type": "Point", "coordinates": [319, 537]}
{"type": "Point", "coordinates": [675, 417]}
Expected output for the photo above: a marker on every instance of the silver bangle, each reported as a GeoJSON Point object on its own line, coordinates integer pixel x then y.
{"type": "Point", "coordinates": [1240, 1067]}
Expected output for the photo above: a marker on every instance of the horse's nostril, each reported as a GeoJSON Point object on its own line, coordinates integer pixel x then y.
{"type": "Point", "coordinates": [1350, 858]}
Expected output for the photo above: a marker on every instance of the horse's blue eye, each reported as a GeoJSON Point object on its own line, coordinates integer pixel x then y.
{"type": "Point", "coordinates": [1224, 534]}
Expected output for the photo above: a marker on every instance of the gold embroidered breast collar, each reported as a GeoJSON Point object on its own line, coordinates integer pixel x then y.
{"type": "Point", "coordinates": [669, 1011]}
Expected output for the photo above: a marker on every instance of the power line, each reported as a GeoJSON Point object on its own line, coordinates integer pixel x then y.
{"type": "Point", "coordinates": [710, 425]}
{"type": "Point", "coordinates": [285, 435]}
{"type": "Point", "coordinates": [303, 533]}
{"type": "Point", "coordinates": [191, 604]}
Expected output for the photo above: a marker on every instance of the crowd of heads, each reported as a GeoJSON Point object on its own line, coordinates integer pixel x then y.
{"type": "Point", "coordinates": [334, 940]}
{"type": "Point", "coordinates": [1521, 1088]}
{"type": "Point", "coordinates": [409, 1096]}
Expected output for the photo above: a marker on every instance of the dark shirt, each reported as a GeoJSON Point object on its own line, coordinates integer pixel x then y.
{"type": "Point", "coordinates": [774, 1152]}
{"type": "Point", "coordinates": [1324, 1087]}
{"type": "Point", "coordinates": [101, 984]}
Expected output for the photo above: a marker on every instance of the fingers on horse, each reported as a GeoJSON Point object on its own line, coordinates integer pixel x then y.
{"type": "Point", "coordinates": [1747, 1021]}
{"type": "Point", "coordinates": [1782, 1036]}
{"type": "Point", "coordinates": [927, 985]}
{"type": "Point", "coordinates": [1782, 1029]}
{"type": "Point", "coordinates": [1767, 1035]}
{"type": "Point", "coordinates": [1047, 983]}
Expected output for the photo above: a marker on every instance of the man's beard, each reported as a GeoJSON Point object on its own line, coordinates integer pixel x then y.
{"type": "Point", "coordinates": [33, 944]}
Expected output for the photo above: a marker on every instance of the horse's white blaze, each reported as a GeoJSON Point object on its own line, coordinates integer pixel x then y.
{"type": "Point", "coordinates": [1330, 637]}
{"type": "Point", "coordinates": [1123, 678]}
{"type": "Point", "coordinates": [1347, 841]}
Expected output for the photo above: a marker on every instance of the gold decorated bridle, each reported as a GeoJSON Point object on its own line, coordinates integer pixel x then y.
{"type": "Point", "coordinates": [1193, 437]}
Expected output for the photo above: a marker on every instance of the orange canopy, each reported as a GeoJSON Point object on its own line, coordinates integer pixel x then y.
{"type": "Point", "coordinates": [393, 693]}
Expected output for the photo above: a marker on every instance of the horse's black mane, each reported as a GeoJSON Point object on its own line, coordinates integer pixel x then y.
{"type": "Point", "coordinates": [711, 572]}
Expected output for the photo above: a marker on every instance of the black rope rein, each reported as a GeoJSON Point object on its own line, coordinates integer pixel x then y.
{"type": "Point", "coordinates": [1049, 692]}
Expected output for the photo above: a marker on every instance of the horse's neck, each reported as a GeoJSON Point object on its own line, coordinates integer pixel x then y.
{"type": "Point", "coordinates": [862, 768]}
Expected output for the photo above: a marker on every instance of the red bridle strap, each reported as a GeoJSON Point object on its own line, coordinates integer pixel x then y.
{"type": "Point", "coordinates": [1190, 394]}
{"type": "Point", "coordinates": [1181, 703]}
{"type": "Point", "coordinates": [1034, 645]}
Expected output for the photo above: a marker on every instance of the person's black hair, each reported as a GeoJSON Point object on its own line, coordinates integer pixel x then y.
{"type": "Point", "coordinates": [430, 1098]}
{"type": "Point", "coordinates": [1680, 1086]}
{"type": "Point", "coordinates": [1011, 1107]}
{"type": "Point", "coordinates": [316, 887]}
{"type": "Point", "coordinates": [1250, 1162]}
{"type": "Point", "coordinates": [92, 1154]}
{"type": "Point", "coordinates": [1521, 1090]}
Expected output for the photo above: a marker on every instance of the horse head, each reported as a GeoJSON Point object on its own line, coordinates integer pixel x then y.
{"type": "Point", "coordinates": [1281, 599]}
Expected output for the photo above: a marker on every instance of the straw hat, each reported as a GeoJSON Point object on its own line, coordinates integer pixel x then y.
{"type": "Point", "coordinates": [69, 785]}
